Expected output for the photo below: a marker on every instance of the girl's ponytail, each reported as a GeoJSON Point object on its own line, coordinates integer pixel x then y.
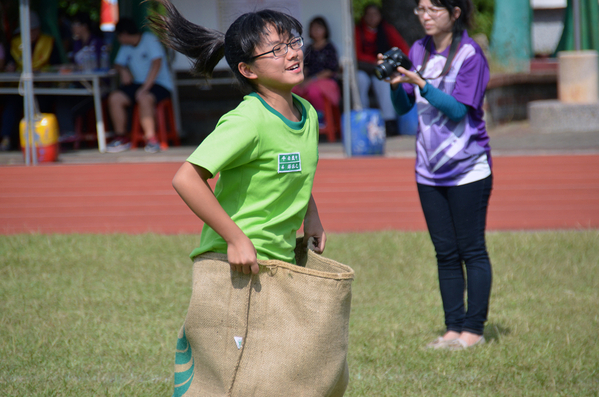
{"type": "Point", "coordinates": [205, 47]}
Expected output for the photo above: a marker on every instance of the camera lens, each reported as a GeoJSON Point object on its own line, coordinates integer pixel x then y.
{"type": "Point", "coordinates": [383, 70]}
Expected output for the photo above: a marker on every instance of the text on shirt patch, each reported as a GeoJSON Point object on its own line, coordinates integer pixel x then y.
{"type": "Point", "coordinates": [289, 162]}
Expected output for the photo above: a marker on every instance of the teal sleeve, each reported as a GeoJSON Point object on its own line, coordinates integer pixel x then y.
{"type": "Point", "coordinates": [402, 102]}
{"type": "Point", "coordinates": [452, 108]}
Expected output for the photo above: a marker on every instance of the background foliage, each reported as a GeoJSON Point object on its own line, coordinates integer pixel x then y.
{"type": "Point", "coordinates": [71, 7]}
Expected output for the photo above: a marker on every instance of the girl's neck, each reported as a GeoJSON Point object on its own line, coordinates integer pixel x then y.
{"type": "Point", "coordinates": [282, 102]}
{"type": "Point", "coordinates": [442, 41]}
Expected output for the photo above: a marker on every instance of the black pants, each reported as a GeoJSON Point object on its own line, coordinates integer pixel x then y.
{"type": "Point", "coordinates": [456, 219]}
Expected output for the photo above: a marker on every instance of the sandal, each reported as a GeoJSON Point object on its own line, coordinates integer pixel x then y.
{"type": "Point", "coordinates": [460, 344]}
{"type": "Point", "coordinates": [439, 343]}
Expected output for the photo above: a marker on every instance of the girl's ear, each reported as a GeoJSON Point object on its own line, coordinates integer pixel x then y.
{"type": "Point", "coordinates": [457, 11]}
{"type": "Point", "coordinates": [246, 71]}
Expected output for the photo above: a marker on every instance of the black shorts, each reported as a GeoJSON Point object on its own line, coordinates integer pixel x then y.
{"type": "Point", "coordinates": [157, 90]}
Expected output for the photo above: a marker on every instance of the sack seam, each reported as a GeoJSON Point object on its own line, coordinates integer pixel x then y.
{"type": "Point", "coordinates": [245, 334]}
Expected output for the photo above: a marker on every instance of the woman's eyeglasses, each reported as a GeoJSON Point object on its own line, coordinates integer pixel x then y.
{"type": "Point", "coordinates": [281, 49]}
{"type": "Point", "coordinates": [433, 12]}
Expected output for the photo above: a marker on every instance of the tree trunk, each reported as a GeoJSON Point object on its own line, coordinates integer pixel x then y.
{"type": "Point", "coordinates": [400, 13]}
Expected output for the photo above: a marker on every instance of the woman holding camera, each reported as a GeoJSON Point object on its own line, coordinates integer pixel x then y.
{"type": "Point", "coordinates": [453, 160]}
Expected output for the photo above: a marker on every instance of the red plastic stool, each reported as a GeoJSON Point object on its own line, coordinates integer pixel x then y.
{"type": "Point", "coordinates": [332, 121]}
{"type": "Point", "coordinates": [166, 129]}
{"type": "Point", "coordinates": [85, 126]}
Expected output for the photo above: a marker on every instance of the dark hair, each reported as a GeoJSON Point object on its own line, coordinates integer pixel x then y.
{"type": "Point", "coordinates": [381, 41]}
{"type": "Point", "coordinates": [377, 7]}
{"type": "Point", "coordinates": [322, 22]}
{"type": "Point", "coordinates": [206, 47]}
{"type": "Point", "coordinates": [126, 25]}
{"type": "Point", "coordinates": [83, 19]}
{"type": "Point", "coordinates": [464, 21]}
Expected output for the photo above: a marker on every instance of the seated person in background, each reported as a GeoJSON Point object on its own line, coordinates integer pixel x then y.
{"type": "Point", "coordinates": [43, 51]}
{"type": "Point", "coordinates": [145, 80]}
{"type": "Point", "coordinates": [373, 35]}
{"type": "Point", "coordinates": [43, 54]}
{"type": "Point", "coordinates": [85, 39]}
{"type": "Point", "coordinates": [85, 42]}
{"type": "Point", "coordinates": [320, 68]}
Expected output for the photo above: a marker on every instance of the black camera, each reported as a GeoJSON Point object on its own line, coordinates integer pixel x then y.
{"type": "Point", "coordinates": [392, 59]}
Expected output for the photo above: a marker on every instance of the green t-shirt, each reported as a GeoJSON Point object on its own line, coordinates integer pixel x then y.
{"type": "Point", "coordinates": [267, 165]}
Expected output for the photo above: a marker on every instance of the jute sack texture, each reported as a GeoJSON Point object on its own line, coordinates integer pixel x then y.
{"type": "Point", "coordinates": [282, 332]}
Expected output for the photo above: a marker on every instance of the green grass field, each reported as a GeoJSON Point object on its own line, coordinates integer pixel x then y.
{"type": "Point", "coordinates": [98, 315]}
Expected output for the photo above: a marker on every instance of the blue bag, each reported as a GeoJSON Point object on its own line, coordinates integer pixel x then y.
{"type": "Point", "coordinates": [367, 133]}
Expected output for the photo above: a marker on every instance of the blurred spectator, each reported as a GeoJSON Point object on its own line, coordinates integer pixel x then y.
{"type": "Point", "coordinates": [145, 81]}
{"type": "Point", "coordinates": [373, 35]}
{"type": "Point", "coordinates": [320, 67]}
{"type": "Point", "coordinates": [43, 54]}
{"type": "Point", "coordinates": [43, 51]}
{"type": "Point", "coordinates": [87, 53]}
{"type": "Point", "coordinates": [85, 40]}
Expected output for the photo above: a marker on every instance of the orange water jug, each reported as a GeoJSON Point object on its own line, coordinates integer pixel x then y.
{"type": "Point", "coordinates": [45, 137]}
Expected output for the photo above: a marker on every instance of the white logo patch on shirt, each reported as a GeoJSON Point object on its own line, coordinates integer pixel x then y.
{"type": "Point", "coordinates": [289, 162]}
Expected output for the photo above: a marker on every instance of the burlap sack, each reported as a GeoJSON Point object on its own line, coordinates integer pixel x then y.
{"type": "Point", "coordinates": [282, 332]}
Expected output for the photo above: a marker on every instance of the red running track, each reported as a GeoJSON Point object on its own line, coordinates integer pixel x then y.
{"type": "Point", "coordinates": [353, 195]}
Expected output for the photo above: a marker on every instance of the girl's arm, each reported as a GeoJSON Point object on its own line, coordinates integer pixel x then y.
{"type": "Point", "coordinates": [452, 108]}
{"type": "Point", "coordinates": [191, 182]}
{"type": "Point", "coordinates": [402, 102]}
{"type": "Point", "coordinates": [313, 227]}
{"type": "Point", "coordinates": [446, 103]}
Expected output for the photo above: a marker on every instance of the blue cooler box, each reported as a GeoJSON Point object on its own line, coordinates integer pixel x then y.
{"type": "Point", "coordinates": [367, 133]}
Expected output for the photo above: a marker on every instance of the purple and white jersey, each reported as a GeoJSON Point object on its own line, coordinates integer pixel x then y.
{"type": "Point", "coordinates": [450, 153]}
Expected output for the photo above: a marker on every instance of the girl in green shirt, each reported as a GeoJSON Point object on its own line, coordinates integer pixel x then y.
{"type": "Point", "coordinates": [265, 150]}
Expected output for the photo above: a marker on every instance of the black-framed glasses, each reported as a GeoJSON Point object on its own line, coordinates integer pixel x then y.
{"type": "Point", "coordinates": [281, 49]}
